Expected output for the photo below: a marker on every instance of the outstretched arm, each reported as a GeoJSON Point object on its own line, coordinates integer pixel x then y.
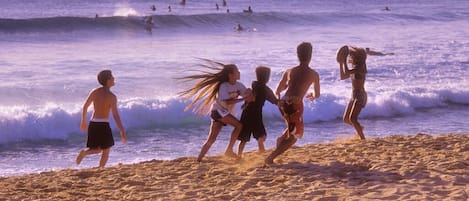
{"type": "Point", "coordinates": [270, 96]}
{"type": "Point", "coordinates": [247, 96]}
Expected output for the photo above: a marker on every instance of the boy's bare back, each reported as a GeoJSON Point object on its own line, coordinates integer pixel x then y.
{"type": "Point", "coordinates": [103, 101]}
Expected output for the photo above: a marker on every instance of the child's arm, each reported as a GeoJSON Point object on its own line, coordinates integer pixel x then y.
{"type": "Point", "coordinates": [342, 54]}
{"type": "Point", "coordinates": [89, 100]}
{"type": "Point", "coordinates": [317, 88]}
{"type": "Point", "coordinates": [245, 96]}
{"type": "Point", "coordinates": [117, 119]}
{"type": "Point", "coordinates": [283, 84]}
{"type": "Point", "coordinates": [270, 96]}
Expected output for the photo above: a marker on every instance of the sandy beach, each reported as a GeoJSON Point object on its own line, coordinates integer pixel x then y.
{"type": "Point", "coordinates": [415, 167]}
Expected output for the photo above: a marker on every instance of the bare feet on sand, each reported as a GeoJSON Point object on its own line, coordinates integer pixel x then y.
{"type": "Point", "coordinates": [269, 161]}
{"type": "Point", "coordinates": [231, 154]}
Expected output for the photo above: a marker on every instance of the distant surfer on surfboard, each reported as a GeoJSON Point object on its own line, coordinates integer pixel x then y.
{"type": "Point", "coordinates": [149, 23]}
{"type": "Point", "coordinates": [376, 53]}
{"type": "Point", "coordinates": [238, 27]}
{"type": "Point", "coordinates": [249, 10]}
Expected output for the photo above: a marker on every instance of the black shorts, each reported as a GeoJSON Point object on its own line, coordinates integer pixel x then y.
{"type": "Point", "coordinates": [99, 135]}
{"type": "Point", "coordinates": [252, 124]}
{"type": "Point", "coordinates": [216, 117]}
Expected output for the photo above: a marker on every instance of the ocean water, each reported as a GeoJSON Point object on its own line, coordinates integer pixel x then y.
{"type": "Point", "coordinates": [51, 51]}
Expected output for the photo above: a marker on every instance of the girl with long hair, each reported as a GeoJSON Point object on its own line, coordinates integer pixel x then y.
{"type": "Point", "coordinates": [357, 57]}
{"type": "Point", "coordinates": [216, 92]}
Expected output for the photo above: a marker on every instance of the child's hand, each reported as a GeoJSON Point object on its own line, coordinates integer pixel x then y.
{"type": "Point", "coordinates": [244, 106]}
{"type": "Point", "coordinates": [123, 137]}
{"type": "Point", "coordinates": [249, 96]}
{"type": "Point", "coordinates": [310, 96]}
{"type": "Point", "coordinates": [83, 126]}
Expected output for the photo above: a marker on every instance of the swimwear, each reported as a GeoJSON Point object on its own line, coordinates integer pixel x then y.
{"type": "Point", "coordinates": [358, 73]}
{"type": "Point", "coordinates": [292, 111]}
{"type": "Point", "coordinates": [99, 135]}
{"type": "Point", "coordinates": [359, 96]}
{"type": "Point", "coordinates": [216, 117]}
{"type": "Point", "coordinates": [358, 76]}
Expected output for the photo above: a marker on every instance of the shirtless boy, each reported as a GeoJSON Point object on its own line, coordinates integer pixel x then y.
{"type": "Point", "coordinates": [296, 81]}
{"type": "Point", "coordinates": [100, 139]}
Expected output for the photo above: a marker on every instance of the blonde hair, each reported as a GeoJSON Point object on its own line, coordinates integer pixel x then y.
{"type": "Point", "coordinates": [204, 92]}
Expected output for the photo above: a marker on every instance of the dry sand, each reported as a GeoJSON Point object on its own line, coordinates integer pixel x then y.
{"type": "Point", "coordinates": [417, 167]}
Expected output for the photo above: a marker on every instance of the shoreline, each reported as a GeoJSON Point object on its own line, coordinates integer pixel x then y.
{"type": "Point", "coordinates": [398, 167]}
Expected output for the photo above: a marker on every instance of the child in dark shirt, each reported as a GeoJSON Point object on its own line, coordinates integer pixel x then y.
{"type": "Point", "coordinates": [251, 117]}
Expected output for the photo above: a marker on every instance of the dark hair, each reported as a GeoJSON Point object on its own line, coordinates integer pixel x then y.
{"type": "Point", "coordinates": [204, 92]}
{"type": "Point", "coordinates": [104, 76]}
{"type": "Point", "coordinates": [304, 51]}
{"type": "Point", "coordinates": [263, 74]}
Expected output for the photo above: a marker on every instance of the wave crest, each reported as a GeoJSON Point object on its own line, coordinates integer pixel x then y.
{"type": "Point", "coordinates": [57, 122]}
{"type": "Point", "coordinates": [129, 19]}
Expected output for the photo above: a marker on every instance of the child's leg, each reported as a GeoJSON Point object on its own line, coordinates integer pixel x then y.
{"type": "Point", "coordinates": [215, 128]}
{"type": "Point", "coordinates": [242, 144]}
{"type": "Point", "coordinates": [282, 137]}
{"type": "Point", "coordinates": [104, 157]}
{"type": "Point", "coordinates": [83, 153]}
{"type": "Point", "coordinates": [231, 120]}
{"type": "Point", "coordinates": [260, 143]}
{"type": "Point", "coordinates": [283, 145]}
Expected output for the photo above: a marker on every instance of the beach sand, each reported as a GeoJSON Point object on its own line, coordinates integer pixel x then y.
{"type": "Point", "coordinates": [415, 167]}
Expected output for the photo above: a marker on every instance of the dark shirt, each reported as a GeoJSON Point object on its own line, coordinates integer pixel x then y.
{"type": "Point", "coordinates": [262, 93]}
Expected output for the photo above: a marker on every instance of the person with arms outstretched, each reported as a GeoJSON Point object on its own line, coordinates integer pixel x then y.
{"type": "Point", "coordinates": [100, 139]}
{"type": "Point", "coordinates": [295, 82]}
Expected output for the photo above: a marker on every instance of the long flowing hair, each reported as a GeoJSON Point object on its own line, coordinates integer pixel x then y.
{"type": "Point", "coordinates": [207, 83]}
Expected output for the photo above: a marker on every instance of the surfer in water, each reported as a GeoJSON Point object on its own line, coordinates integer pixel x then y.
{"type": "Point", "coordinates": [238, 27]}
{"type": "Point", "coordinates": [249, 10]}
{"type": "Point", "coordinates": [149, 23]}
{"type": "Point", "coordinates": [376, 53]}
